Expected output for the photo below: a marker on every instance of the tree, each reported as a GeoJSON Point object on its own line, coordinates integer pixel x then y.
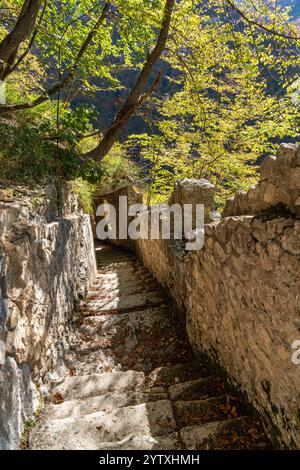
{"type": "Point", "coordinates": [233, 102]}
{"type": "Point", "coordinates": [135, 97]}
{"type": "Point", "coordinates": [78, 42]}
{"type": "Point", "coordinates": [10, 45]}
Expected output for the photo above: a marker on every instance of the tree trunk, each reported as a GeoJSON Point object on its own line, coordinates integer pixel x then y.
{"type": "Point", "coordinates": [136, 96]}
{"type": "Point", "coordinates": [70, 74]}
{"type": "Point", "coordinates": [9, 46]}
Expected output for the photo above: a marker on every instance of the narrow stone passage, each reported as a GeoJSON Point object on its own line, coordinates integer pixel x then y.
{"type": "Point", "coordinates": [133, 382]}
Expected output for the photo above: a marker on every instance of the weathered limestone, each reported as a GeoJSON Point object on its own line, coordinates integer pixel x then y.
{"type": "Point", "coordinates": [46, 263]}
{"type": "Point", "coordinates": [279, 184]}
{"type": "Point", "coordinates": [242, 310]}
{"type": "Point", "coordinates": [240, 293]}
{"type": "Point", "coordinates": [192, 191]}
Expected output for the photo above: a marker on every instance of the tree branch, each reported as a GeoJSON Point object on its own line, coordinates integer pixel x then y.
{"type": "Point", "coordinates": [250, 21]}
{"type": "Point", "coordinates": [31, 42]}
{"type": "Point", "coordinates": [136, 96]}
{"type": "Point", "coordinates": [68, 76]}
{"type": "Point", "coordinates": [9, 46]}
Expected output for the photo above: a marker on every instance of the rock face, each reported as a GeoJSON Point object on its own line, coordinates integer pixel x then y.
{"type": "Point", "coordinates": [192, 191]}
{"type": "Point", "coordinates": [239, 294]}
{"type": "Point", "coordinates": [279, 184]}
{"type": "Point", "coordinates": [242, 303]}
{"type": "Point", "coordinates": [46, 263]}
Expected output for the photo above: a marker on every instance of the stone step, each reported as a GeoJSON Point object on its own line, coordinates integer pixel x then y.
{"type": "Point", "coordinates": [130, 337]}
{"type": "Point", "coordinates": [122, 277]}
{"type": "Point", "coordinates": [115, 262]}
{"type": "Point", "coordinates": [112, 280]}
{"type": "Point", "coordinates": [91, 431]}
{"type": "Point", "coordinates": [199, 389]}
{"type": "Point", "coordinates": [109, 402]}
{"type": "Point", "coordinates": [113, 254]}
{"type": "Point", "coordinates": [144, 442]}
{"type": "Point", "coordinates": [107, 249]}
{"type": "Point", "coordinates": [244, 433]}
{"type": "Point", "coordinates": [181, 372]}
{"type": "Point", "coordinates": [203, 411]}
{"type": "Point", "coordinates": [123, 302]}
{"type": "Point", "coordinates": [125, 269]}
{"type": "Point", "coordinates": [106, 291]}
{"type": "Point", "coordinates": [99, 384]}
{"type": "Point", "coordinates": [156, 396]}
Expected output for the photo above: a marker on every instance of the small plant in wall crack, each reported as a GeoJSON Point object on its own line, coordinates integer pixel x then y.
{"type": "Point", "coordinates": [30, 424]}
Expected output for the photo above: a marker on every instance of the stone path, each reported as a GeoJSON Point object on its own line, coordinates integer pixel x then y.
{"type": "Point", "coordinates": [133, 382]}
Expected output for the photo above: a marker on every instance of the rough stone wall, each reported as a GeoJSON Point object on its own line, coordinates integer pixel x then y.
{"type": "Point", "coordinates": [242, 305]}
{"type": "Point", "coordinates": [46, 263]}
{"type": "Point", "coordinates": [165, 259]}
{"type": "Point", "coordinates": [240, 293]}
{"type": "Point", "coordinates": [279, 184]}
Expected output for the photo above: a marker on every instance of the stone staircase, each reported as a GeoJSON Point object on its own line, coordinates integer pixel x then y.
{"type": "Point", "coordinates": [132, 381]}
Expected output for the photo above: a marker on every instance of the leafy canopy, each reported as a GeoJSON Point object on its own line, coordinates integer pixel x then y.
{"type": "Point", "coordinates": [234, 99]}
{"type": "Point", "coordinates": [229, 98]}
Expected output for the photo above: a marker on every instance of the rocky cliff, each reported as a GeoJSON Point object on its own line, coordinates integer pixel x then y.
{"type": "Point", "coordinates": [46, 264]}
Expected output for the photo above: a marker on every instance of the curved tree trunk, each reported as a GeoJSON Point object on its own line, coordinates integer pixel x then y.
{"type": "Point", "coordinates": [9, 46]}
{"type": "Point", "coordinates": [136, 96]}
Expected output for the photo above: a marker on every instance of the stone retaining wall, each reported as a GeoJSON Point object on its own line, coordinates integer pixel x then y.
{"type": "Point", "coordinates": [46, 263]}
{"type": "Point", "coordinates": [240, 294]}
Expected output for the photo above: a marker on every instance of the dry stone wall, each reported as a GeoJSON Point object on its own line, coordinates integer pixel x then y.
{"type": "Point", "coordinates": [240, 294]}
{"type": "Point", "coordinates": [242, 304]}
{"type": "Point", "coordinates": [279, 185]}
{"type": "Point", "coordinates": [46, 263]}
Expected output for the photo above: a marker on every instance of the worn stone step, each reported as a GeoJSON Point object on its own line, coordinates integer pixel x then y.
{"type": "Point", "coordinates": [91, 431]}
{"type": "Point", "coordinates": [99, 384]}
{"type": "Point", "coordinates": [203, 411]}
{"type": "Point", "coordinates": [111, 281]}
{"type": "Point", "coordinates": [181, 372]}
{"type": "Point", "coordinates": [130, 338]}
{"type": "Point", "coordinates": [109, 253]}
{"type": "Point", "coordinates": [127, 269]}
{"type": "Point", "coordinates": [113, 255]}
{"type": "Point", "coordinates": [112, 292]}
{"type": "Point", "coordinates": [122, 277]}
{"type": "Point", "coordinates": [107, 249]}
{"type": "Point", "coordinates": [109, 402]}
{"type": "Point", "coordinates": [137, 320]}
{"type": "Point", "coordinates": [157, 397]}
{"type": "Point", "coordinates": [199, 389]}
{"type": "Point", "coordinates": [116, 262]}
{"type": "Point", "coordinates": [244, 433]}
{"type": "Point", "coordinates": [125, 302]}
{"type": "Point", "coordinates": [143, 442]}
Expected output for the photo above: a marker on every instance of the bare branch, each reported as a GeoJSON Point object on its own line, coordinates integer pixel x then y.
{"type": "Point", "coordinates": [253, 22]}
{"type": "Point", "coordinates": [31, 43]}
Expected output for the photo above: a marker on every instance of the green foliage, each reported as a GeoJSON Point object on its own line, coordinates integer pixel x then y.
{"type": "Point", "coordinates": [76, 123]}
{"type": "Point", "coordinates": [119, 170]}
{"type": "Point", "coordinates": [227, 111]}
{"type": "Point", "coordinates": [84, 191]}
{"type": "Point", "coordinates": [122, 41]}
{"type": "Point", "coordinates": [30, 151]}
{"type": "Point", "coordinates": [233, 101]}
